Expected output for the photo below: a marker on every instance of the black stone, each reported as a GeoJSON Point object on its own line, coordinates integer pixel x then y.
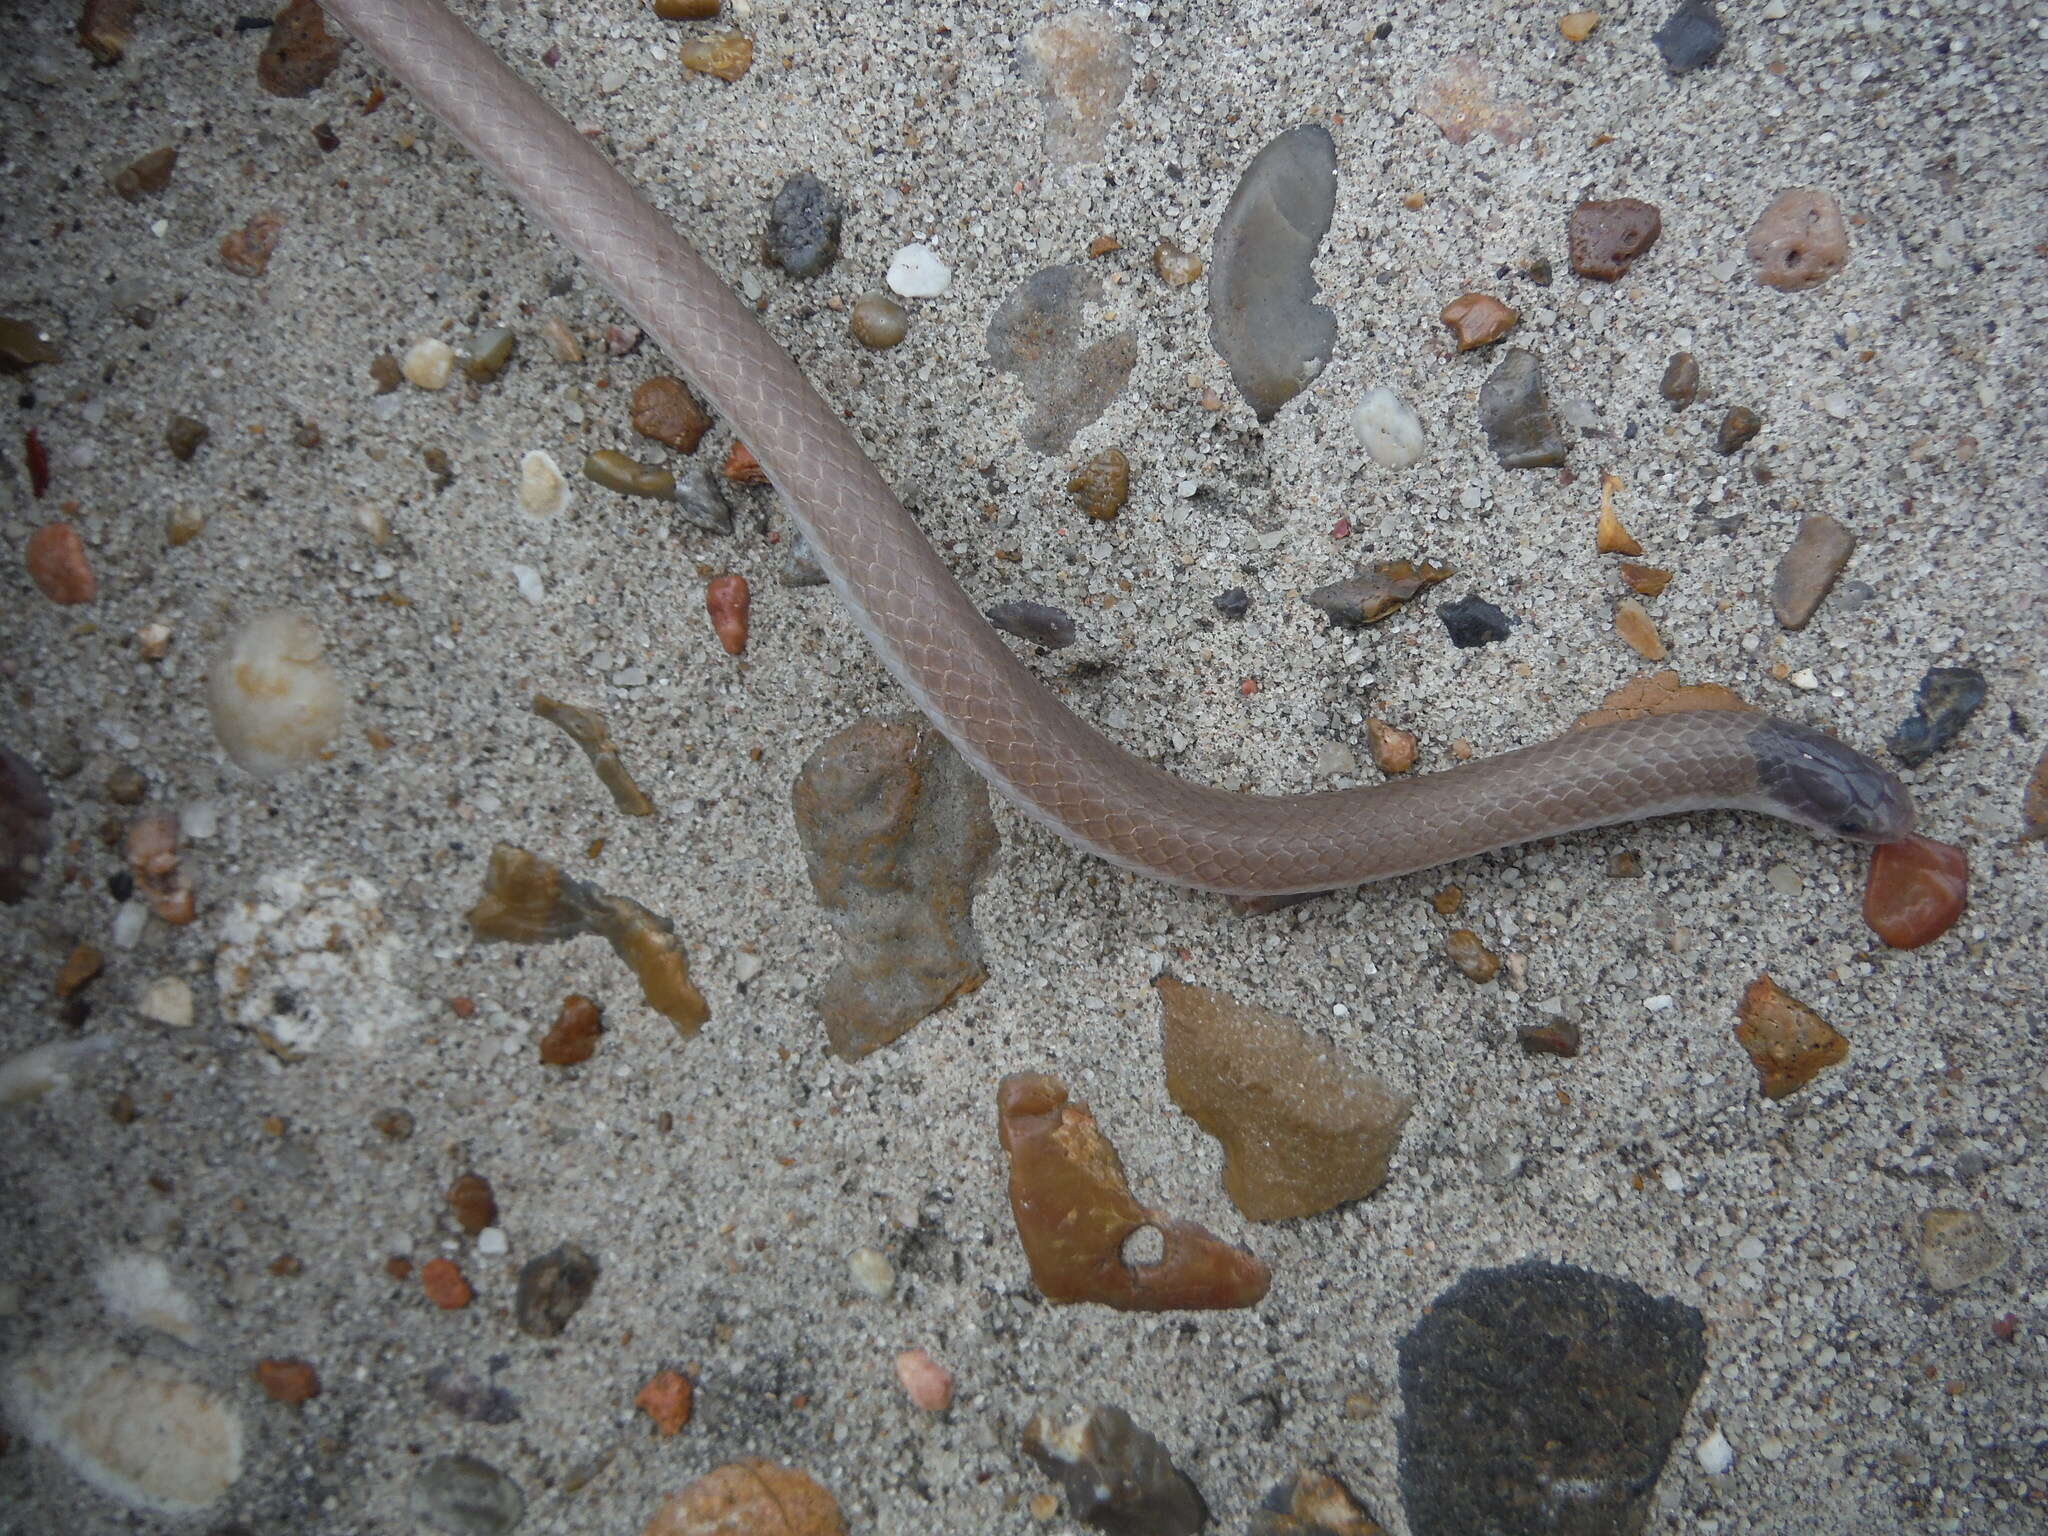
{"type": "Point", "coordinates": [803, 227]}
{"type": "Point", "coordinates": [1543, 1399]}
{"type": "Point", "coordinates": [1039, 623]}
{"type": "Point", "coordinates": [1474, 621]}
{"type": "Point", "coordinates": [1234, 604]}
{"type": "Point", "coordinates": [1692, 38]}
{"type": "Point", "coordinates": [552, 1289]}
{"type": "Point", "coordinates": [1514, 411]}
{"type": "Point", "coordinates": [25, 812]}
{"type": "Point", "coordinates": [1948, 697]}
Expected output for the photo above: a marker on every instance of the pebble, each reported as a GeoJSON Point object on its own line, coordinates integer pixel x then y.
{"type": "Point", "coordinates": [276, 704]}
{"type": "Point", "coordinates": [1460, 99]}
{"type": "Point", "coordinates": [1388, 428]}
{"type": "Point", "coordinates": [1681, 382]}
{"type": "Point", "coordinates": [1303, 1128]}
{"type": "Point", "coordinates": [473, 1204]}
{"type": "Point", "coordinates": [384, 373]}
{"type": "Point", "coordinates": [1799, 241]}
{"type": "Point", "coordinates": [300, 53]}
{"type": "Point", "coordinates": [488, 354]}
{"type": "Point", "coordinates": [184, 436]}
{"type": "Point", "coordinates": [1577, 26]}
{"type": "Point", "coordinates": [428, 364]}
{"type": "Point", "coordinates": [1471, 956]}
{"type": "Point", "coordinates": [1393, 749]}
{"type": "Point", "coordinates": [553, 1289]}
{"type": "Point", "coordinates": [749, 1498]}
{"type": "Point", "coordinates": [1554, 1037]}
{"type": "Point", "coordinates": [1806, 572]}
{"type": "Point", "coordinates": [528, 581]}
{"type": "Point", "coordinates": [700, 502]}
{"type": "Point", "coordinates": [1472, 621]}
{"type": "Point", "coordinates": [1038, 333]}
{"type": "Point", "coordinates": [1311, 1503]}
{"type": "Point", "coordinates": [1074, 1213]}
{"type": "Point", "coordinates": [727, 601]}
{"type": "Point", "coordinates": [1788, 1043]}
{"type": "Point", "coordinates": [246, 252]}
{"type": "Point", "coordinates": [1715, 1455]}
{"type": "Point", "coordinates": [1176, 268]}
{"type": "Point", "coordinates": [444, 1285]}
{"type": "Point", "coordinates": [1488, 1380]}
{"type": "Point", "coordinates": [1334, 760]}
{"type": "Point", "coordinates": [125, 785]}
{"type": "Point", "coordinates": [1080, 66]}
{"type": "Point", "coordinates": [468, 1397]}
{"type": "Point", "coordinates": [1370, 596]}
{"type": "Point", "coordinates": [1957, 1247]}
{"type": "Point", "coordinates": [563, 346]}
{"type": "Point", "coordinates": [686, 10]}
{"type": "Point", "coordinates": [1234, 603]}
{"type": "Point", "coordinates": [1948, 697]}
{"type": "Point", "coordinates": [1737, 428]}
{"type": "Point", "coordinates": [741, 467]}
{"type": "Point", "coordinates": [57, 564]}
{"type": "Point", "coordinates": [726, 56]}
{"type": "Point", "coordinates": [665, 410]}
{"type": "Point", "coordinates": [493, 1243]}
{"type": "Point", "coordinates": [573, 1037]}
{"type": "Point", "coordinates": [928, 1384]}
{"type": "Point", "coordinates": [167, 1001]}
{"type": "Point", "coordinates": [592, 734]}
{"type": "Point", "coordinates": [803, 227]}
{"type": "Point", "coordinates": [1609, 536]}
{"type": "Point", "coordinates": [138, 1290]}
{"type": "Point", "coordinates": [897, 835]}
{"type": "Point", "coordinates": [1478, 320]}
{"type": "Point", "coordinates": [152, 854]}
{"type": "Point", "coordinates": [666, 1399]}
{"type": "Point", "coordinates": [1102, 484]}
{"type": "Point", "coordinates": [915, 272]}
{"type": "Point", "coordinates": [1514, 412]}
{"type": "Point", "coordinates": [877, 322]}
{"type": "Point", "coordinates": [1116, 1477]}
{"type": "Point", "coordinates": [1917, 889]}
{"type": "Point", "coordinates": [872, 1272]}
{"type": "Point", "coordinates": [628, 476]}
{"type": "Point", "coordinates": [1263, 318]}
{"type": "Point", "coordinates": [1604, 239]}
{"type": "Point", "coordinates": [287, 1381]}
{"type": "Point", "coordinates": [465, 1496]}
{"type": "Point", "coordinates": [1638, 631]}
{"type": "Point", "coordinates": [1692, 38]}
{"type": "Point", "coordinates": [23, 346]}
{"type": "Point", "coordinates": [1039, 623]}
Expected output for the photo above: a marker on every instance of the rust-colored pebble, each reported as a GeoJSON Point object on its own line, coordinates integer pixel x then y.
{"type": "Point", "coordinates": [1104, 245]}
{"type": "Point", "coordinates": [726, 55]}
{"type": "Point", "coordinates": [727, 600]}
{"type": "Point", "coordinates": [1737, 428]}
{"type": "Point", "coordinates": [444, 1285]}
{"type": "Point", "coordinates": [56, 561]}
{"type": "Point", "coordinates": [1102, 484]}
{"type": "Point", "coordinates": [1448, 900]}
{"type": "Point", "coordinates": [686, 10]}
{"type": "Point", "coordinates": [1477, 320]}
{"type": "Point", "coordinates": [1604, 238]}
{"type": "Point", "coordinates": [475, 1207]}
{"type": "Point", "coordinates": [1917, 889]}
{"type": "Point", "coordinates": [1471, 956]}
{"type": "Point", "coordinates": [749, 1498]}
{"type": "Point", "coordinates": [741, 467]}
{"type": "Point", "coordinates": [1645, 580]}
{"type": "Point", "coordinates": [1788, 1043]}
{"type": "Point", "coordinates": [665, 410]}
{"type": "Point", "coordinates": [80, 966]}
{"type": "Point", "coordinates": [666, 1399]}
{"type": "Point", "coordinates": [398, 1267]}
{"type": "Point", "coordinates": [1558, 1037]}
{"type": "Point", "coordinates": [1393, 749]}
{"type": "Point", "coordinates": [572, 1038]}
{"type": "Point", "coordinates": [287, 1381]}
{"type": "Point", "coordinates": [247, 251]}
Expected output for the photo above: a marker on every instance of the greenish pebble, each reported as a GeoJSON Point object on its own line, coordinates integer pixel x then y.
{"type": "Point", "coordinates": [629, 477]}
{"type": "Point", "coordinates": [489, 352]}
{"type": "Point", "coordinates": [878, 323]}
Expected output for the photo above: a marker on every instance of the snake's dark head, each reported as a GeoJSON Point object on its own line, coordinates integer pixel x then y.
{"type": "Point", "coordinates": [1813, 779]}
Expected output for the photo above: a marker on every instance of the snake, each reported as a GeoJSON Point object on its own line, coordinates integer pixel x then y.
{"type": "Point", "coordinates": [1053, 765]}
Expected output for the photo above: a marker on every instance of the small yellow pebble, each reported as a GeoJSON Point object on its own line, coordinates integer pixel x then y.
{"type": "Point", "coordinates": [1577, 26]}
{"type": "Point", "coordinates": [428, 364]}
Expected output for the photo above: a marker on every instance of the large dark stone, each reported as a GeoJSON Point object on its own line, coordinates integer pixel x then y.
{"type": "Point", "coordinates": [1543, 1399]}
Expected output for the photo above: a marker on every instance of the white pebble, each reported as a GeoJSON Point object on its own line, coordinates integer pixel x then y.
{"type": "Point", "coordinates": [872, 1272]}
{"type": "Point", "coordinates": [1672, 1179]}
{"type": "Point", "coordinates": [128, 924]}
{"type": "Point", "coordinates": [1805, 679]}
{"type": "Point", "coordinates": [1389, 429]}
{"type": "Point", "coordinates": [199, 820]}
{"type": "Point", "coordinates": [1715, 1454]}
{"type": "Point", "coordinates": [428, 364]}
{"type": "Point", "coordinates": [492, 1241]}
{"type": "Point", "coordinates": [917, 273]}
{"type": "Point", "coordinates": [530, 588]}
{"type": "Point", "coordinates": [167, 1001]}
{"type": "Point", "coordinates": [1750, 1248]}
{"type": "Point", "coordinates": [27, 1075]}
{"type": "Point", "coordinates": [543, 489]}
{"type": "Point", "coordinates": [745, 966]}
{"type": "Point", "coordinates": [137, 1288]}
{"type": "Point", "coordinates": [275, 701]}
{"type": "Point", "coordinates": [1663, 1002]}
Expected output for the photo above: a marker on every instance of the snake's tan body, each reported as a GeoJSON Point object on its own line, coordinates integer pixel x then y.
{"type": "Point", "coordinates": [1029, 745]}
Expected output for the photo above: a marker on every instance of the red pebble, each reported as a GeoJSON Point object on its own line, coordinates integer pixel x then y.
{"type": "Point", "coordinates": [1342, 528]}
{"type": "Point", "coordinates": [727, 599]}
{"type": "Point", "coordinates": [1917, 890]}
{"type": "Point", "coordinates": [56, 561]}
{"type": "Point", "coordinates": [1248, 687]}
{"type": "Point", "coordinates": [2005, 1327]}
{"type": "Point", "coordinates": [38, 463]}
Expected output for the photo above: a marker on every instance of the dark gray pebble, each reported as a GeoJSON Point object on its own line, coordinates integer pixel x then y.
{"type": "Point", "coordinates": [1948, 697]}
{"type": "Point", "coordinates": [25, 812]}
{"type": "Point", "coordinates": [1681, 383]}
{"type": "Point", "coordinates": [552, 1289]}
{"type": "Point", "coordinates": [1234, 604]}
{"type": "Point", "coordinates": [699, 500]}
{"type": "Point", "coordinates": [1515, 413]}
{"type": "Point", "coordinates": [800, 567]}
{"type": "Point", "coordinates": [1692, 38]}
{"type": "Point", "coordinates": [1474, 621]}
{"type": "Point", "coordinates": [1039, 623]}
{"type": "Point", "coordinates": [803, 227]}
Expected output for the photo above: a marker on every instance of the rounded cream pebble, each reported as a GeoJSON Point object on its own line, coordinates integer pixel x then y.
{"type": "Point", "coordinates": [428, 364]}
{"type": "Point", "coordinates": [543, 488]}
{"type": "Point", "coordinates": [872, 1272]}
{"type": "Point", "coordinates": [167, 1000]}
{"type": "Point", "coordinates": [1388, 429]}
{"type": "Point", "coordinates": [276, 702]}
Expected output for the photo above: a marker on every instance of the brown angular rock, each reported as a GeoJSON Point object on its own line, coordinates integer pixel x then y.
{"type": "Point", "coordinates": [573, 1037]}
{"type": "Point", "coordinates": [686, 10]}
{"type": "Point", "coordinates": [1176, 267]}
{"type": "Point", "coordinates": [1393, 749]}
{"type": "Point", "coordinates": [1604, 239]}
{"type": "Point", "coordinates": [1787, 1041]}
{"type": "Point", "coordinates": [1799, 241]}
{"type": "Point", "coordinates": [184, 436]}
{"type": "Point", "coordinates": [287, 1381]}
{"type": "Point", "coordinates": [1102, 484]}
{"type": "Point", "coordinates": [1302, 1129]}
{"type": "Point", "coordinates": [726, 599]}
{"type": "Point", "coordinates": [1660, 693]}
{"type": "Point", "coordinates": [106, 28]}
{"type": "Point", "coordinates": [527, 900]}
{"type": "Point", "coordinates": [665, 410]}
{"type": "Point", "coordinates": [666, 1399]}
{"type": "Point", "coordinates": [1471, 956]}
{"type": "Point", "coordinates": [1737, 428]}
{"type": "Point", "coordinates": [23, 346]}
{"type": "Point", "coordinates": [1646, 580]}
{"type": "Point", "coordinates": [1460, 100]}
{"type": "Point", "coordinates": [1312, 1504]}
{"type": "Point", "coordinates": [587, 728]}
{"type": "Point", "coordinates": [56, 561]}
{"type": "Point", "coordinates": [1557, 1037]}
{"type": "Point", "coordinates": [1478, 319]}
{"type": "Point", "coordinates": [1633, 623]}
{"type": "Point", "coordinates": [79, 967]}
{"type": "Point", "coordinates": [897, 835]}
{"type": "Point", "coordinates": [145, 176]}
{"type": "Point", "coordinates": [1370, 596]}
{"type": "Point", "coordinates": [473, 1204]}
{"type": "Point", "coordinates": [749, 1498]}
{"type": "Point", "coordinates": [247, 251]}
{"type": "Point", "coordinates": [1074, 1213]}
{"type": "Point", "coordinates": [1806, 572]}
{"type": "Point", "coordinates": [1117, 1477]}
{"type": "Point", "coordinates": [1681, 382]}
{"type": "Point", "coordinates": [1917, 889]}
{"type": "Point", "coordinates": [300, 54]}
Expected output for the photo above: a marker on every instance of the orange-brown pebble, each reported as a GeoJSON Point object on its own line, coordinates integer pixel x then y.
{"type": "Point", "coordinates": [287, 1381]}
{"type": "Point", "coordinates": [1577, 26]}
{"type": "Point", "coordinates": [1448, 900]}
{"type": "Point", "coordinates": [444, 1285]}
{"type": "Point", "coordinates": [1176, 267]}
{"type": "Point", "coordinates": [1414, 202]}
{"type": "Point", "coordinates": [475, 1207]}
{"type": "Point", "coordinates": [686, 10]}
{"type": "Point", "coordinates": [727, 600]}
{"type": "Point", "coordinates": [1478, 319]}
{"type": "Point", "coordinates": [1918, 888]}
{"type": "Point", "coordinates": [80, 966]}
{"type": "Point", "coordinates": [749, 1498]}
{"type": "Point", "coordinates": [1471, 956]}
{"type": "Point", "coordinates": [572, 1038]}
{"type": "Point", "coordinates": [1393, 749]}
{"type": "Point", "coordinates": [665, 410]}
{"type": "Point", "coordinates": [56, 561]}
{"type": "Point", "coordinates": [398, 1267]}
{"type": "Point", "coordinates": [1103, 245]}
{"type": "Point", "coordinates": [1611, 538]}
{"type": "Point", "coordinates": [462, 1007]}
{"type": "Point", "coordinates": [928, 1384]}
{"type": "Point", "coordinates": [1645, 580]}
{"type": "Point", "coordinates": [666, 1399]}
{"type": "Point", "coordinates": [1632, 623]}
{"type": "Point", "coordinates": [1661, 693]}
{"type": "Point", "coordinates": [727, 55]}
{"type": "Point", "coordinates": [1248, 687]}
{"type": "Point", "coordinates": [1787, 1041]}
{"type": "Point", "coordinates": [741, 467]}
{"type": "Point", "coordinates": [247, 251]}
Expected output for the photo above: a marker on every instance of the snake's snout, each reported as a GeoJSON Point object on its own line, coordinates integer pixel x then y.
{"type": "Point", "coordinates": [1815, 780]}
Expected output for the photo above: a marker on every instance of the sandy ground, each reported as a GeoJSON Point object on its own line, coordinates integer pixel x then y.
{"type": "Point", "coordinates": [1899, 397]}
